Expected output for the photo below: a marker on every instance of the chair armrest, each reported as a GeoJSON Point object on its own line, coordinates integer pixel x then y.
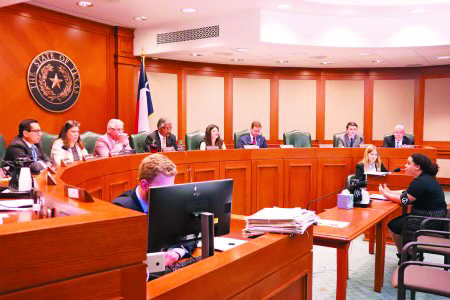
{"type": "Point", "coordinates": [404, 265]}
{"type": "Point", "coordinates": [429, 219]}
{"type": "Point", "coordinates": [404, 226]}
{"type": "Point", "coordinates": [414, 246]}
{"type": "Point", "coordinates": [430, 233]}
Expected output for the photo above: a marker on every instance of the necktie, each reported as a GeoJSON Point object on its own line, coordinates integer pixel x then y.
{"type": "Point", "coordinates": [163, 143]}
{"type": "Point", "coordinates": [398, 144]}
{"type": "Point", "coordinates": [33, 153]}
{"type": "Point", "coordinates": [254, 140]}
{"type": "Point", "coordinates": [351, 143]}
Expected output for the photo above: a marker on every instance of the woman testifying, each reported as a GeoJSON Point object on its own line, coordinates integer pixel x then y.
{"type": "Point", "coordinates": [212, 138]}
{"type": "Point", "coordinates": [424, 193]}
{"type": "Point", "coordinates": [370, 163]}
{"type": "Point", "coordinates": [68, 146]}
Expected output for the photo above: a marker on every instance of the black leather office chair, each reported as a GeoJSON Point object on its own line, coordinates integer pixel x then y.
{"type": "Point", "coordinates": [47, 142]}
{"type": "Point", "coordinates": [137, 141]}
{"type": "Point", "coordinates": [335, 139]}
{"type": "Point", "coordinates": [409, 136]}
{"type": "Point", "coordinates": [89, 138]}
{"type": "Point", "coordinates": [238, 134]}
{"type": "Point", "coordinates": [297, 138]}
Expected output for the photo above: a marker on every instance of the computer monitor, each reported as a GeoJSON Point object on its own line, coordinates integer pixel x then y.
{"type": "Point", "coordinates": [174, 211]}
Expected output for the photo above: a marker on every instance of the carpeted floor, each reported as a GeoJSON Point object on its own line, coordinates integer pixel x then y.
{"type": "Point", "coordinates": [362, 269]}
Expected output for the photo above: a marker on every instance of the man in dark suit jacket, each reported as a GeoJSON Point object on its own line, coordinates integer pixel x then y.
{"type": "Point", "coordinates": [351, 138]}
{"type": "Point", "coordinates": [162, 137]}
{"type": "Point", "coordinates": [154, 170]}
{"type": "Point", "coordinates": [27, 145]}
{"type": "Point", "coordinates": [398, 139]}
{"type": "Point", "coordinates": [254, 138]}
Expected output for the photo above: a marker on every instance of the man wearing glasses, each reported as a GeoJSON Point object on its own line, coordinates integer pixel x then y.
{"type": "Point", "coordinates": [114, 141]}
{"type": "Point", "coordinates": [27, 144]}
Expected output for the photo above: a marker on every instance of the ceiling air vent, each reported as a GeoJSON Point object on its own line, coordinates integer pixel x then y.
{"type": "Point", "coordinates": [188, 35]}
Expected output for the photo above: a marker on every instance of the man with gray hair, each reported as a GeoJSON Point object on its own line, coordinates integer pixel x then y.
{"type": "Point", "coordinates": [114, 141]}
{"type": "Point", "coordinates": [162, 137]}
{"type": "Point", "coordinates": [398, 139]}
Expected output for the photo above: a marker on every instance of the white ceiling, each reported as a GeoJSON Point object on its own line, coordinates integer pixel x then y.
{"type": "Point", "coordinates": [383, 28]}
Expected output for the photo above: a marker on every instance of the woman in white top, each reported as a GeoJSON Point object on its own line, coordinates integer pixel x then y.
{"type": "Point", "coordinates": [370, 163]}
{"type": "Point", "coordinates": [212, 138]}
{"type": "Point", "coordinates": [68, 146]}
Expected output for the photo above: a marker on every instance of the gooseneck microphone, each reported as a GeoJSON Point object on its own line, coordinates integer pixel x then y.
{"type": "Point", "coordinates": [356, 185]}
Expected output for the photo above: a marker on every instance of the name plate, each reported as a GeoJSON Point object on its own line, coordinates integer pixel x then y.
{"type": "Point", "coordinates": [363, 145]}
{"type": "Point", "coordinates": [286, 146]}
{"type": "Point", "coordinates": [408, 146]}
{"type": "Point", "coordinates": [77, 193]}
{"type": "Point", "coordinates": [168, 149]}
{"type": "Point", "coordinates": [251, 147]}
{"type": "Point", "coordinates": [212, 148]}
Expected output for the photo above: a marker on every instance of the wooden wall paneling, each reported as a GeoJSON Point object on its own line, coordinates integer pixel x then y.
{"type": "Point", "coordinates": [368, 110]}
{"type": "Point", "coordinates": [419, 109]}
{"type": "Point", "coordinates": [134, 178]}
{"type": "Point", "coordinates": [241, 173]}
{"type": "Point", "coordinates": [95, 187]}
{"type": "Point", "coordinates": [320, 109]}
{"type": "Point", "coordinates": [332, 176]}
{"type": "Point", "coordinates": [397, 163]}
{"type": "Point", "coordinates": [274, 105]}
{"type": "Point", "coordinates": [116, 184]}
{"type": "Point", "coordinates": [300, 182]}
{"type": "Point", "coordinates": [267, 183]}
{"type": "Point", "coordinates": [182, 174]}
{"type": "Point", "coordinates": [228, 109]}
{"type": "Point", "coordinates": [181, 104]}
{"type": "Point", "coordinates": [204, 171]}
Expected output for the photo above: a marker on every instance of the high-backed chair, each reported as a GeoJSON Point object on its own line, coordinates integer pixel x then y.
{"type": "Point", "coordinates": [47, 142]}
{"type": "Point", "coordinates": [335, 139]}
{"type": "Point", "coordinates": [137, 141]}
{"type": "Point", "coordinates": [2, 147]}
{"type": "Point", "coordinates": [194, 139]}
{"type": "Point", "coordinates": [409, 136]}
{"type": "Point", "coordinates": [297, 138]}
{"type": "Point", "coordinates": [350, 178]}
{"type": "Point", "coordinates": [238, 134]}
{"type": "Point", "coordinates": [89, 138]}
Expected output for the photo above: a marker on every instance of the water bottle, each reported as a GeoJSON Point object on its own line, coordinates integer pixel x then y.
{"type": "Point", "coordinates": [180, 146]}
{"type": "Point", "coordinates": [25, 180]}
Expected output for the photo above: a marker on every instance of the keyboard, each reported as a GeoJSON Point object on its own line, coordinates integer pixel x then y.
{"type": "Point", "coordinates": [183, 264]}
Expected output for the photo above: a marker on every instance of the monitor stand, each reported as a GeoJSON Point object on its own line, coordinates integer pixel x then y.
{"type": "Point", "coordinates": [207, 226]}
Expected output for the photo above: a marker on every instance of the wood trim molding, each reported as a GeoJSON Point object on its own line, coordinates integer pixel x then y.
{"type": "Point", "coordinates": [274, 106]}
{"type": "Point", "coordinates": [419, 109]}
{"type": "Point", "coordinates": [320, 109]}
{"type": "Point", "coordinates": [228, 109]}
{"type": "Point", "coordinates": [368, 109]}
{"type": "Point", "coordinates": [181, 104]}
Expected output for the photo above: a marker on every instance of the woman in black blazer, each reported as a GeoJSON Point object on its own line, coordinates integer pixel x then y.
{"type": "Point", "coordinates": [370, 163]}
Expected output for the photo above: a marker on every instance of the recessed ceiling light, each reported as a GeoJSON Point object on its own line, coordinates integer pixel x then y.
{"type": "Point", "coordinates": [196, 54]}
{"type": "Point", "coordinates": [140, 18]}
{"type": "Point", "coordinates": [241, 49]}
{"type": "Point", "coordinates": [347, 12]}
{"type": "Point", "coordinates": [326, 63]}
{"type": "Point", "coordinates": [416, 11]}
{"type": "Point", "coordinates": [378, 61]}
{"type": "Point", "coordinates": [282, 61]}
{"type": "Point", "coordinates": [364, 54]}
{"type": "Point", "coordinates": [85, 4]}
{"type": "Point", "coordinates": [237, 59]}
{"type": "Point", "coordinates": [189, 10]}
{"type": "Point", "coordinates": [284, 6]}
{"type": "Point", "coordinates": [443, 57]}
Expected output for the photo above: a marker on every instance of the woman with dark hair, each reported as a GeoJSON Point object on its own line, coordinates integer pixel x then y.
{"type": "Point", "coordinates": [424, 194]}
{"type": "Point", "coordinates": [68, 146]}
{"type": "Point", "coordinates": [212, 138]}
{"type": "Point", "coordinates": [370, 163]}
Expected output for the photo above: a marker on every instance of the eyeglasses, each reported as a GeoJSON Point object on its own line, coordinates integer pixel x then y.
{"type": "Point", "coordinates": [35, 131]}
{"type": "Point", "coordinates": [117, 129]}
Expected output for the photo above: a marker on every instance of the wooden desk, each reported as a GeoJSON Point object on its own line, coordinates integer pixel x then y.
{"type": "Point", "coordinates": [360, 219]}
{"type": "Point", "coordinates": [273, 266]}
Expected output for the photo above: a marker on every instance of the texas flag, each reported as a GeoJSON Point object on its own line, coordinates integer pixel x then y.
{"type": "Point", "coordinates": [144, 106]}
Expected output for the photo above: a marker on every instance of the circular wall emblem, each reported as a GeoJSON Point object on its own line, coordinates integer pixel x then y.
{"type": "Point", "coordinates": [53, 81]}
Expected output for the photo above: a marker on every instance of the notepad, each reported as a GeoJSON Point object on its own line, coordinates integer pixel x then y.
{"type": "Point", "coordinates": [378, 197]}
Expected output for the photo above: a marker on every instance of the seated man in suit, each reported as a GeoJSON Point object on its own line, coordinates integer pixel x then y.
{"type": "Point", "coordinates": [27, 145]}
{"type": "Point", "coordinates": [162, 137]}
{"type": "Point", "coordinates": [254, 138]}
{"type": "Point", "coordinates": [397, 139]}
{"type": "Point", "coordinates": [154, 170]}
{"type": "Point", "coordinates": [350, 139]}
{"type": "Point", "coordinates": [114, 141]}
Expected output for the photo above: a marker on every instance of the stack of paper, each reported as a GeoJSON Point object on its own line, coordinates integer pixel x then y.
{"type": "Point", "coordinates": [279, 220]}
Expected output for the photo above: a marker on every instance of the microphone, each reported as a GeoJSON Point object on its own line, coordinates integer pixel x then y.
{"type": "Point", "coordinates": [359, 184]}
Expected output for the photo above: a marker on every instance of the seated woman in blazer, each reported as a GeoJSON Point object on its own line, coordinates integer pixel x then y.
{"type": "Point", "coordinates": [68, 146]}
{"type": "Point", "coordinates": [212, 138]}
{"type": "Point", "coordinates": [370, 163]}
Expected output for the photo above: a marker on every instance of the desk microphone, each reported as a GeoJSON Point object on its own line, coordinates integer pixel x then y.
{"type": "Point", "coordinates": [356, 185]}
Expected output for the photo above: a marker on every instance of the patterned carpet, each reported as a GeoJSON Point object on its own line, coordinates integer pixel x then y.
{"type": "Point", "coordinates": [362, 269]}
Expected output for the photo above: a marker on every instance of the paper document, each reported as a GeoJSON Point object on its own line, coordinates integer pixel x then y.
{"type": "Point", "coordinates": [224, 243]}
{"type": "Point", "coordinates": [376, 173]}
{"type": "Point", "coordinates": [332, 223]}
{"type": "Point", "coordinates": [378, 197]}
{"type": "Point", "coordinates": [18, 204]}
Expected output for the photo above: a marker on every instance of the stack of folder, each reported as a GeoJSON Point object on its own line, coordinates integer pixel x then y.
{"type": "Point", "coordinates": [279, 220]}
